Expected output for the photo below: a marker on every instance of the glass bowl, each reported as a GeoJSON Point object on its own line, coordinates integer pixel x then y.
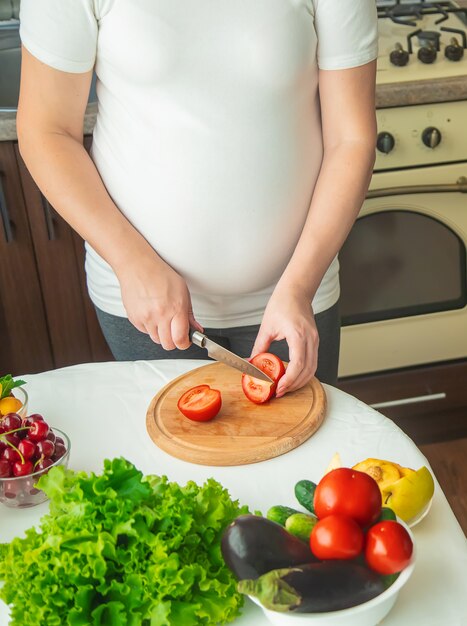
{"type": "Point", "coordinates": [22, 395]}
{"type": "Point", "coordinates": [21, 491]}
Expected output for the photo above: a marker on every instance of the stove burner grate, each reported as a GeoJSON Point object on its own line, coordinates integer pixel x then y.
{"type": "Point", "coordinates": [408, 14]}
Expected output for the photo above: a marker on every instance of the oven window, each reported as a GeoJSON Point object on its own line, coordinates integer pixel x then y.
{"type": "Point", "coordinates": [400, 263]}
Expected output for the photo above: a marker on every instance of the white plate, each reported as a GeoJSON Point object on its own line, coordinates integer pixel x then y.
{"type": "Point", "coordinates": [418, 518]}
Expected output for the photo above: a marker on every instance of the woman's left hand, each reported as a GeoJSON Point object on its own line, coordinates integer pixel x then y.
{"type": "Point", "coordinates": [289, 316]}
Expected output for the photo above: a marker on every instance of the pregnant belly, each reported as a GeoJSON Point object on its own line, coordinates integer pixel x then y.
{"type": "Point", "coordinates": [227, 236]}
{"type": "Point", "coordinates": [224, 210]}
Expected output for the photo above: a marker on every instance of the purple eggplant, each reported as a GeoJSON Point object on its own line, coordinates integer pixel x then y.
{"type": "Point", "coordinates": [315, 587]}
{"type": "Point", "coordinates": [253, 545]}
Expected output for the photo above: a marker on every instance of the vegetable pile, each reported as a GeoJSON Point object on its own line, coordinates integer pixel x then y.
{"type": "Point", "coordinates": [121, 549]}
{"type": "Point", "coordinates": [346, 550]}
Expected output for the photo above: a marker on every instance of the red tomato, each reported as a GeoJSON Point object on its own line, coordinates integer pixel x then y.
{"type": "Point", "coordinates": [336, 537]}
{"type": "Point", "coordinates": [348, 492]}
{"type": "Point", "coordinates": [259, 391]}
{"type": "Point", "coordinates": [200, 403]}
{"type": "Point", "coordinates": [270, 364]}
{"type": "Point", "coordinates": [388, 547]}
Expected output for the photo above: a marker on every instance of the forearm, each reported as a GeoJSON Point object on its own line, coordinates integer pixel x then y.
{"type": "Point", "coordinates": [68, 178]}
{"type": "Point", "coordinates": [339, 193]}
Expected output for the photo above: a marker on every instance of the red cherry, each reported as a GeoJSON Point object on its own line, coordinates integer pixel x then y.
{"type": "Point", "coordinates": [11, 438]}
{"type": "Point", "coordinates": [5, 468]}
{"type": "Point", "coordinates": [12, 421]}
{"type": "Point", "coordinates": [43, 464]}
{"type": "Point", "coordinates": [27, 448]}
{"type": "Point", "coordinates": [12, 488]}
{"type": "Point", "coordinates": [36, 417]}
{"type": "Point", "coordinates": [11, 455]}
{"type": "Point", "coordinates": [60, 450]}
{"type": "Point", "coordinates": [22, 469]}
{"type": "Point", "coordinates": [38, 431]}
{"type": "Point", "coordinates": [45, 448]}
{"type": "Point", "coordinates": [51, 436]}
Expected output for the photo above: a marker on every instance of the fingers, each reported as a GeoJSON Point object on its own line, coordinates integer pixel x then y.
{"type": "Point", "coordinates": [180, 327]}
{"type": "Point", "coordinates": [303, 355]}
{"type": "Point", "coordinates": [165, 335]}
{"type": "Point", "coordinates": [262, 343]}
{"type": "Point", "coordinates": [170, 334]}
{"type": "Point", "coordinates": [194, 323]}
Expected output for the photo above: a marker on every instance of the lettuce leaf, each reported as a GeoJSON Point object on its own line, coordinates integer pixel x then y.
{"type": "Point", "coordinates": [122, 549]}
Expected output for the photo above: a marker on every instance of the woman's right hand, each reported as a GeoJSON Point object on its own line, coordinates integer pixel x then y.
{"type": "Point", "coordinates": [157, 301]}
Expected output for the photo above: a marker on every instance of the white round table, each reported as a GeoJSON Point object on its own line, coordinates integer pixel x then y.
{"type": "Point", "coordinates": [102, 407]}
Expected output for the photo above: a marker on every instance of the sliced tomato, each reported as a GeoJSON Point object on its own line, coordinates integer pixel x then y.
{"type": "Point", "coordinates": [260, 391]}
{"type": "Point", "coordinates": [270, 364]}
{"type": "Point", "coordinates": [200, 403]}
{"type": "Point", "coordinates": [256, 390]}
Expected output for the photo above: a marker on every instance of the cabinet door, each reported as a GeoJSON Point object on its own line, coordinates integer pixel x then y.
{"type": "Point", "coordinates": [24, 340]}
{"type": "Point", "coordinates": [429, 403]}
{"type": "Point", "coordinates": [60, 277]}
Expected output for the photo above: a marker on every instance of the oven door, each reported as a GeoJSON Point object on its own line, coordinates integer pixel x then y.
{"type": "Point", "coordinates": [403, 275]}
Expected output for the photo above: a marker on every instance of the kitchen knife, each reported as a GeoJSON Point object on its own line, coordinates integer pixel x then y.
{"type": "Point", "coordinates": [219, 353]}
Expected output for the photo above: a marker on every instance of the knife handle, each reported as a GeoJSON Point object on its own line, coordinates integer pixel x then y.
{"type": "Point", "coordinates": [197, 338]}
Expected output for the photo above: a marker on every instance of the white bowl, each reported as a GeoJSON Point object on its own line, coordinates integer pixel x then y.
{"type": "Point", "coordinates": [367, 614]}
{"type": "Point", "coordinates": [413, 521]}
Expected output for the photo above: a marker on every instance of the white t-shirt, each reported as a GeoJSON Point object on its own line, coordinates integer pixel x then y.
{"type": "Point", "coordinates": [208, 134]}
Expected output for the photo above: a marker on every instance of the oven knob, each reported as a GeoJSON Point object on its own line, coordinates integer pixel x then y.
{"type": "Point", "coordinates": [454, 52]}
{"type": "Point", "coordinates": [385, 142]}
{"type": "Point", "coordinates": [399, 56]}
{"type": "Point", "coordinates": [427, 54]}
{"type": "Point", "coordinates": [431, 137]}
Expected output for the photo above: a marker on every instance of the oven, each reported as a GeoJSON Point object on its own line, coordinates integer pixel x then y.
{"type": "Point", "coordinates": [403, 267]}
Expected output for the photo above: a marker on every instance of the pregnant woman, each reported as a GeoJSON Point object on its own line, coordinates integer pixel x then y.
{"type": "Point", "coordinates": [232, 151]}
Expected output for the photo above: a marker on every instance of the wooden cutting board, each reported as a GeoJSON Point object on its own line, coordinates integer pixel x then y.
{"type": "Point", "coordinates": [242, 432]}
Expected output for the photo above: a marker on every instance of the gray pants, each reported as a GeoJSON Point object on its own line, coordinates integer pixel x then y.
{"type": "Point", "coordinates": [129, 344]}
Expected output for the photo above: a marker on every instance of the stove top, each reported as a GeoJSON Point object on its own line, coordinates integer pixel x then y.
{"type": "Point", "coordinates": [421, 41]}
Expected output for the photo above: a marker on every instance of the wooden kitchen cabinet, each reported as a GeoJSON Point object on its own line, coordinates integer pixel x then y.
{"type": "Point", "coordinates": [53, 255]}
{"type": "Point", "coordinates": [429, 402]}
{"type": "Point", "coordinates": [24, 334]}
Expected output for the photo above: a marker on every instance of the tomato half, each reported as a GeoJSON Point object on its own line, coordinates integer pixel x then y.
{"type": "Point", "coordinates": [336, 537]}
{"type": "Point", "coordinates": [259, 391]}
{"type": "Point", "coordinates": [270, 364]}
{"type": "Point", "coordinates": [348, 492]}
{"type": "Point", "coordinates": [388, 547]}
{"type": "Point", "coordinates": [200, 403]}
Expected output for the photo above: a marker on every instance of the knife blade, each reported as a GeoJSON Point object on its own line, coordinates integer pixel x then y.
{"type": "Point", "coordinates": [219, 353]}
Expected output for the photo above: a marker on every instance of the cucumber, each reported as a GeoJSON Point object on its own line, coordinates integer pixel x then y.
{"type": "Point", "coordinates": [387, 513]}
{"type": "Point", "coordinates": [279, 513]}
{"type": "Point", "coordinates": [301, 525]}
{"type": "Point", "coordinates": [305, 493]}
